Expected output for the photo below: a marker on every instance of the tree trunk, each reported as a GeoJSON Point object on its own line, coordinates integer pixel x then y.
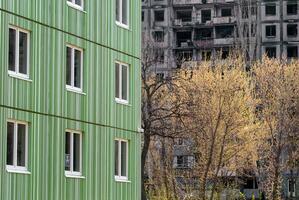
{"type": "Point", "coordinates": [146, 143]}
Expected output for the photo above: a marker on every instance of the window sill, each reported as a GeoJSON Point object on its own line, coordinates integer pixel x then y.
{"type": "Point", "coordinates": [121, 25]}
{"type": "Point", "coordinates": [17, 171]}
{"type": "Point", "coordinates": [18, 76]}
{"type": "Point", "coordinates": [75, 7]}
{"type": "Point", "coordinates": [75, 90]}
{"type": "Point", "coordinates": [120, 180]}
{"type": "Point", "coordinates": [123, 102]}
{"type": "Point", "coordinates": [76, 176]}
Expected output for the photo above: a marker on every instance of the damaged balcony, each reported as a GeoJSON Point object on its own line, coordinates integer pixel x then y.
{"type": "Point", "coordinates": [204, 38]}
{"type": "Point", "coordinates": [184, 40]}
{"type": "Point", "coordinates": [183, 17]}
{"type": "Point", "coordinates": [224, 35]}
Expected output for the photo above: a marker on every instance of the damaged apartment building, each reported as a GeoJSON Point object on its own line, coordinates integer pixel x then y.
{"type": "Point", "coordinates": [197, 30]}
{"type": "Point", "coordinates": [185, 30]}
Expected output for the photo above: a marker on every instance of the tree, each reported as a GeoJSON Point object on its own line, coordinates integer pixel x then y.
{"type": "Point", "coordinates": [222, 121]}
{"type": "Point", "coordinates": [162, 107]}
{"type": "Point", "coordinates": [277, 95]}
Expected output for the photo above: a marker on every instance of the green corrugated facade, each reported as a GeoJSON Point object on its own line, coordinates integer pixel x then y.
{"type": "Point", "coordinates": [50, 109]}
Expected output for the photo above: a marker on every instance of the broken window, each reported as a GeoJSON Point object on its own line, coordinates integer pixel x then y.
{"type": "Point", "coordinates": [271, 31]}
{"type": "Point", "coordinates": [271, 52]}
{"type": "Point", "coordinates": [183, 56]}
{"type": "Point", "coordinates": [158, 36]}
{"type": "Point", "coordinates": [183, 38]}
{"type": "Point", "coordinates": [205, 16]}
{"type": "Point", "coordinates": [270, 9]}
{"type": "Point", "coordinates": [203, 34]}
{"type": "Point", "coordinates": [224, 54]}
{"type": "Point", "coordinates": [160, 76]}
{"type": "Point", "coordinates": [142, 16]}
{"type": "Point", "coordinates": [292, 52]}
{"type": "Point", "coordinates": [292, 9]}
{"type": "Point", "coordinates": [292, 30]}
{"type": "Point", "coordinates": [224, 31]}
{"type": "Point", "coordinates": [184, 15]}
{"type": "Point", "coordinates": [159, 15]}
{"type": "Point", "coordinates": [226, 12]}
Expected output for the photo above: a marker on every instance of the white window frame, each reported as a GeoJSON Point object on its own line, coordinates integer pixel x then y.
{"type": "Point", "coordinates": [119, 177]}
{"type": "Point", "coordinates": [120, 23]}
{"type": "Point", "coordinates": [120, 99]}
{"type": "Point", "coordinates": [16, 73]}
{"type": "Point", "coordinates": [71, 172]}
{"type": "Point", "coordinates": [72, 86]}
{"type": "Point", "coordinates": [292, 194]}
{"type": "Point", "coordinates": [15, 167]}
{"type": "Point", "coordinates": [73, 4]}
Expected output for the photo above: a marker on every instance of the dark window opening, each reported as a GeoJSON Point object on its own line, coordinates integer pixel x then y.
{"type": "Point", "coordinates": [292, 9]}
{"type": "Point", "coordinates": [183, 56]}
{"type": "Point", "coordinates": [185, 16]}
{"type": "Point", "coordinates": [292, 30]}
{"type": "Point", "coordinates": [226, 12]}
{"type": "Point", "coordinates": [271, 52]}
{"type": "Point", "coordinates": [160, 76]}
{"type": "Point", "coordinates": [142, 16]}
{"type": "Point", "coordinates": [271, 31]}
{"type": "Point", "coordinates": [205, 16]}
{"type": "Point", "coordinates": [158, 36]}
{"type": "Point", "coordinates": [224, 31]}
{"type": "Point", "coordinates": [159, 55]}
{"type": "Point", "coordinates": [224, 54]}
{"type": "Point", "coordinates": [270, 9]}
{"type": "Point", "coordinates": [183, 38]}
{"type": "Point", "coordinates": [292, 52]}
{"type": "Point", "coordinates": [203, 34]}
{"type": "Point", "coordinates": [206, 55]}
{"type": "Point", "coordinates": [250, 184]}
{"type": "Point", "coordinates": [159, 15]}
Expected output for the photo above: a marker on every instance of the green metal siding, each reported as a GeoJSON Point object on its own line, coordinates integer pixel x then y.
{"type": "Point", "coordinates": [49, 108]}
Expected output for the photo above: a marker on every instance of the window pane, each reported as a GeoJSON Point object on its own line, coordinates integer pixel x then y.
{"type": "Point", "coordinates": [116, 158]}
{"type": "Point", "coordinates": [78, 2]}
{"type": "Point", "coordinates": [77, 69]}
{"type": "Point", "coordinates": [21, 147]}
{"type": "Point", "coordinates": [23, 53]}
{"type": "Point", "coordinates": [117, 80]}
{"type": "Point", "coordinates": [67, 151]}
{"type": "Point", "coordinates": [117, 11]}
{"type": "Point", "coordinates": [12, 50]}
{"type": "Point", "coordinates": [68, 65]}
{"type": "Point", "coordinates": [124, 92]}
{"type": "Point", "coordinates": [76, 153]}
{"type": "Point", "coordinates": [125, 12]}
{"type": "Point", "coordinates": [123, 158]}
{"type": "Point", "coordinates": [10, 143]}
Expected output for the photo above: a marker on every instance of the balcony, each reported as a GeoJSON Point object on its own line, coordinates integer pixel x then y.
{"type": "Point", "coordinates": [184, 2]}
{"type": "Point", "coordinates": [203, 43]}
{"type": "Point", "coordinates": [224, 20]}
{"type": "Point", "coordinates": [223, 41]}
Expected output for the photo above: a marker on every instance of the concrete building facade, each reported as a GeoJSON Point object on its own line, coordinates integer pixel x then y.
{"type": "Point", "coordinates": [199, 29]}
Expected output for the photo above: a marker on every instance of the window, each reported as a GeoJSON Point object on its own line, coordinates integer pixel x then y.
{"type": "Point", "coordinates": [292, 30]}
{"type": "Point", "coordinates": [292, 9]}
{"type": "Point", "coordinates": [78, 4]}
{"type": "Point", "coordinates": [270, 9]}
{"type": "Point", "coordinates": [74, 62]}
{"type": "Point", "coordinates": [271, 52]}
{"type": "Point", "coordinates": [206, 55]}
{"type": "Point", "coordinates": [122, 13]}
{"type": "Point", "coordinates": [73, 153]}
{"type": "Point", "coordinates": [226, 12]}
{"type": "Point", "coordinates": [121, 159]}
{"type": "Point", "coordinates": [205, 16]}
{"type": "Point", "coordinates": [271, 31]}
{"type": "Point", "coordinates": [159, 15]}
{"type": "Point", "coordinates": [17, 145]}
{"type": "Point", "coordinates": [142, 16]}
{"type": "Point", "coordinates": [184, 161]}
{"type": "Point", "coordinates": [292, 52]}
{"type": "Point", "coordinates": [18, 52]}
{"type": "Point", "coordinates": [291, 188]}
{"type": "Point", "coordinates": [121, 82]}
{"type": "Point", "coordinates": [158, 36]}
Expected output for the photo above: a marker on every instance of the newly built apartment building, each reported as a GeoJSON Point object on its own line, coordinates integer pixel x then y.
{"type": "Point", "coordinates": [184, 30]}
